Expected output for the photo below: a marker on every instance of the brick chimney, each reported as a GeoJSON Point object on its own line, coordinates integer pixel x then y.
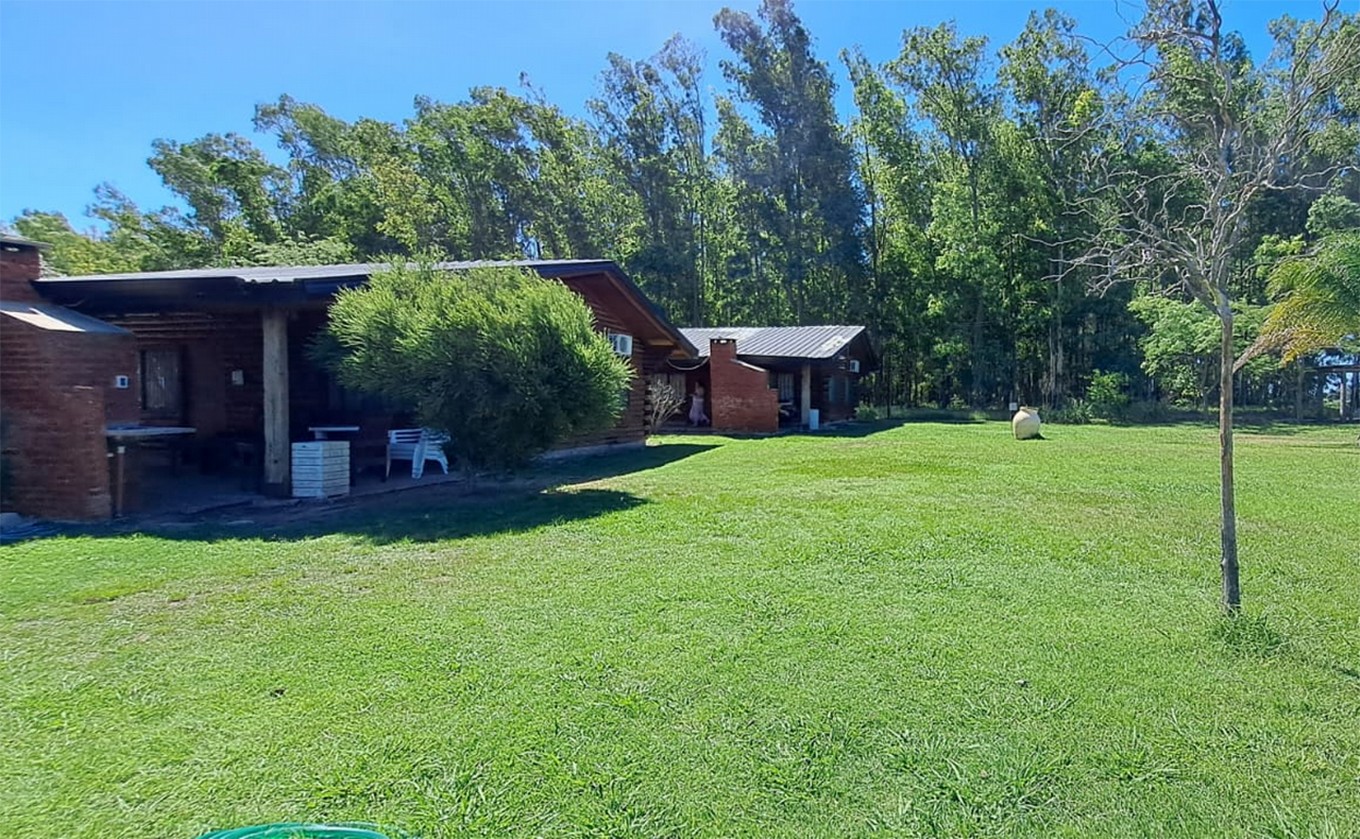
{"type": "Point", "coordinates": [722, 350]}
{"type": "Point", "coordinates": [740, 397]}
{"type": "Point", "coordinates": [20, 265]}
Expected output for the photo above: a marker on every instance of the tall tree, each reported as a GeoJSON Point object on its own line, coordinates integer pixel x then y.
{"type": "Point", "coordinates": [897, 179]}
{"type": "Point", "coordinates": [650, 116]}
{"type": "Point", "coordinates": [950, 82]}
{"type": "Point", "coordinates": [1046, 76]}
{"type": "Point", "coordinates": [804, 165]}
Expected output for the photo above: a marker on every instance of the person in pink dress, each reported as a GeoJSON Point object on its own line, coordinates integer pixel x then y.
{"type": "Point", "coordinates": [697, 416]}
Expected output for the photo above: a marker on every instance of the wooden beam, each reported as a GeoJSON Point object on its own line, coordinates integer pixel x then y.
{"type": "Point", "coordinates": [807, 395]}
{"type": "Point", "coordinates": [277, 451]}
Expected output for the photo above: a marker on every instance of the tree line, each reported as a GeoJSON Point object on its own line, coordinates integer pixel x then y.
{"type": "Point", "coordinates": [955, 212]}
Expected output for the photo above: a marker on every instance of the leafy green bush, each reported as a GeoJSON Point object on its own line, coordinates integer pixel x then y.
{"type": "Point", "coordinates": [1076, 412]}
{"type": "Point", "coordinates": [1146, 412]}
{"type": "Point", "coordinates": [505, 362]}
{"type": "Point", "coordinates": [866, 412]}
{"type": "Point", "coordinates": [1107, 395]}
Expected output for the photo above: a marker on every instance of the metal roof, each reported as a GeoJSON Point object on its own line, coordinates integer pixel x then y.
{"type": "Point", "coordinates": [295, 273]}
{"type": "Point", "coordinates": [20, 242]}
{"type": "Point", "coordinates": [292, 284]}
{"type": "Point", "coordinates": [811, 342]}
{"type": "Point", "coordinates": [58, 318]}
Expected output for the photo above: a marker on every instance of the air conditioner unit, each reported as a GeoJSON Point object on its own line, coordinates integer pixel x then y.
{"type": "Point", "coordinates": [623, 344]}
{"type": "Point", "coordinates": [854, 365]}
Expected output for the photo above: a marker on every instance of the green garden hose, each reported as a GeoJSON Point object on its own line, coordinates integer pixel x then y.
{"type": "Point", "coordinates": [297, 830]}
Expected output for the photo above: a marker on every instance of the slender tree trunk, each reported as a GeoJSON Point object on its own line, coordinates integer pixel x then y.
{"type": "Point", "coordinates": [1232, 593]}
{"type": "Point", "coordinates": [1298, 390]}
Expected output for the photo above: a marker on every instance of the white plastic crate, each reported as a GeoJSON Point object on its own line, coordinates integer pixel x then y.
{"type": "Point", "coordinates": [321, 469]}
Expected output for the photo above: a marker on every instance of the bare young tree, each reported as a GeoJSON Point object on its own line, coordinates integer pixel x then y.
{"type": "Point", "coordinates": [1205, 137]}
{"type": "Point", "coordinates": [663, 400]}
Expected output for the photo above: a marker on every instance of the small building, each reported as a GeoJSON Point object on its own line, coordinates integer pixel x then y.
{"type": "Point", "coordinates": [761, 379]}
{"type": "Point", "coordinates": [218, 358]}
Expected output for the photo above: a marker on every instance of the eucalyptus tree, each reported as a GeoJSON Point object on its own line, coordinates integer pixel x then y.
{"type": "Point", "coordinates": [949, 80]}
{"type": "Point", "coordinates": [651, 124]}
{"type": "Point", "coordinates": [334, 190]}
{"type": "Point", "coordinates": [803, 169]}
{"type": "Point", "coordinates": [1051, 92]}
{"type": "Point", "coordinates": [231, 190]}
{"type": "Point", "coordinates": [897, 181]}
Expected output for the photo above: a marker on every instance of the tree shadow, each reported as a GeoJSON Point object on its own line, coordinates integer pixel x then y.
{"type": "Point", "coordinates": [855, 429]}
{"type": "Point", "coordinates": [868, 428]}
{"type": "Point", "coordinates": [479, 506]}
{"type": "Point", "coordinates": [613, 464]}
{"type": "Point", "coordinates": [449, 512]}
{"type": "Point", "coordinates": [1248, 424]}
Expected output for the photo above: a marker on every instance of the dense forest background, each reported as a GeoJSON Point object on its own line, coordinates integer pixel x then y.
{"type": "Point", "coordinates": [940, 214]}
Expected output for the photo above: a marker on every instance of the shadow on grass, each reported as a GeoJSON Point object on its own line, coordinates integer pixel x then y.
{"type": "Point", "coordinates": [470, 516]}
{"type": "Point", "coordinates": [611, 465]}
{"type": "Point", "coordinates": [868, 428]}
{"type": "Point", "coordinates": [434, 516]}
{"type": "Point", "coordinates": [483, 506]}
{"type": "Point", "coordinates": [1252, 422]}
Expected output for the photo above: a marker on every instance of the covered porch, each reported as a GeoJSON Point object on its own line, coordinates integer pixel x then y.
{"type": "Point", "coordinates": [231, 404]}
{"type": "Point", "coordinates": [224, 396]}
{"type": "Point", "coordinates": [225, 385]}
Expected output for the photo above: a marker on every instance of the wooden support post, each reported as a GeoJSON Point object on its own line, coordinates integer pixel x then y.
{"type": "Point", "coordinates": [277, 453]}
{"type": "Point", "coordinates": [807, 395]}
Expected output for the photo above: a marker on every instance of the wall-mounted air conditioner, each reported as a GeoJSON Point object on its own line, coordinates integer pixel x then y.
{"type": "Point", "coordinates": [623, 344]}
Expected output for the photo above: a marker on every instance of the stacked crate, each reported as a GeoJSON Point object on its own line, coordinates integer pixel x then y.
{"type": "Point", "coordinates": [321, 469]}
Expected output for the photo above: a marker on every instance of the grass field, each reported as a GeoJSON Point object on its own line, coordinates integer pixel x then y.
{"type": "Point", "coordinates": [926, 630]}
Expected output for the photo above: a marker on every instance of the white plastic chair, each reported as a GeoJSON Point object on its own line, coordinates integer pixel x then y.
{"type": "Point", "coordinates": [416, 445]}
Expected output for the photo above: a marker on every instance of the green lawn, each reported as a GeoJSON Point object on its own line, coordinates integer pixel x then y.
{"type": "Point", "coordinates": [927, 630]}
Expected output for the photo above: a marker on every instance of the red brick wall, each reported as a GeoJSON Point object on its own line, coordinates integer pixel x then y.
{"type": "Point", "coordinates": [211, 347]}
{"type": "Point", "coordinates": [740, 398]}
{"type": "Point", "coordinates": [56, 396]}
{"type": "Point", "coordinates": [57, 457]}
{"type": "Point", "coordinates": [19, 265]}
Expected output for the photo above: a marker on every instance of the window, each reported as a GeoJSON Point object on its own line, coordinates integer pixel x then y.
{"type": "Point", "coordinates": [785, 385]}
{"type": "Point", "coordinates": [623, 343]}
{"type": "Point", "coordinates": [162, 384]}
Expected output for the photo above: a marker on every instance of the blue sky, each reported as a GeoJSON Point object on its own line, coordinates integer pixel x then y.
{"type": "Point", "coordinates": [85, 87]}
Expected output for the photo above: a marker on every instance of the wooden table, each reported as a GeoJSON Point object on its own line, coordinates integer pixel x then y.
{"type": "Point", "coordinates": [122, 435]}
{"type": "Point", "coordinates": [141, 432]}
{"type": "Point", "coordinates": [321, 432]}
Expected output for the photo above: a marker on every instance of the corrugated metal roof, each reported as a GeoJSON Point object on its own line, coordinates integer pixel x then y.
{"type": "Point", "coordinates": [811, 342]}
{"type": "Point", "coordinates": [293, 273]}
{"type": "Point", "coordinates": [58, 318]}
{"type": "Point", "coordinates": [21, 242]}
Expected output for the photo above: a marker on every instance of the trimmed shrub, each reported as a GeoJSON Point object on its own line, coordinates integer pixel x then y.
{"type": "Point", "coordinates": [506, 362]}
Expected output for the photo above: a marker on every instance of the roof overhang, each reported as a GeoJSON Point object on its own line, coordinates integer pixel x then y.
{"type": "Point", "coordinates": [19, 243]}
{"type": "Point", "coordinates": [235, 289]}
